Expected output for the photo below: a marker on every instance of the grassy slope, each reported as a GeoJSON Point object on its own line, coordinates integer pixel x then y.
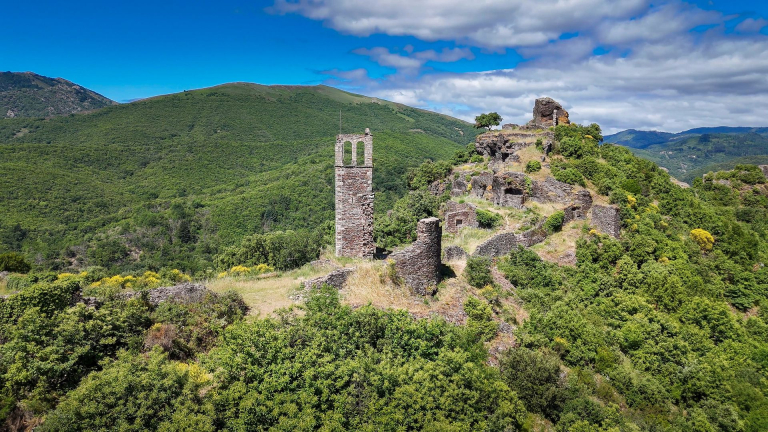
{"type": "Point", "coordinates": [251, 157]}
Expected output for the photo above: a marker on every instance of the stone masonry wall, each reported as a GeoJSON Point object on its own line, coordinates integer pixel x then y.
{"type": "Point", "coordinates": [607, 220]}
{"type": "Point", "coordinates": [419, 264]}
{"type": "Point", "coordinates": [354, 198]}
{"type": "Point", "coordinates": [336, 279]}
{"type": "Point", "coordinates": [458, 216]}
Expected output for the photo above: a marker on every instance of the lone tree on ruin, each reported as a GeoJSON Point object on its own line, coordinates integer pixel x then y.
{"type": "Point", "coordinates": [487, 120]}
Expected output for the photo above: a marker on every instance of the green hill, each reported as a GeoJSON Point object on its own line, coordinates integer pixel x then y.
{"type": "Point", "coordinates": [694, 152]}
{"type": "Point", "coordinates": [172, 179]}
{"type": "Point", "coordinates": [26, 94]}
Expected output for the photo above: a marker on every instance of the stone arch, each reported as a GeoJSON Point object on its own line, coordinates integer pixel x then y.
{"type": "Point", "coordinates": [359, 153]}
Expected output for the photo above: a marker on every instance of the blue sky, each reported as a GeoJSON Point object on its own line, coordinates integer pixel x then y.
{"type": "Point", "coordinates": [599, 58]}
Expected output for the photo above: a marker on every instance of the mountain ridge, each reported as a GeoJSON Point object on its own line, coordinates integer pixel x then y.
{"type": "Point", "coordinates": [27, 94]}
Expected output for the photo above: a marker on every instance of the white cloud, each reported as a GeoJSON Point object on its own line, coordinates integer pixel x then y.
{"type": "Point", "coordinates": [494, 24]}
{"type": "Point", "coordinates": [751, 25]}
{"type": "Point", "coordinates": [674, 86]}
{"type": "Point", "coordinates": [412, 61]}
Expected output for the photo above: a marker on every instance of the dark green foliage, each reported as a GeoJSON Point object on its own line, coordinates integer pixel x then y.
{"type": "Point", "coordinates": [533, 166]}
{"type": "Point", "coordinates": [487, 120]}
{"type": "Point", "coordinates": [487, 219]}
{"type": "Point", "coordinates": [568, 175]}
{"type": "Point", "coordinates": [427, 173]}
{"type": "Point", "coordinates": [399, 226]}
{"type": "Point", "coordinates": [554, 222]}
{"type": "Point", "coordinates": [332, 368]}
{"type": "Point", "coordinates": [575, 141]}
{"type": "Point", "coordinates": [478, 271]}
{"type": "Point", "coordinates": [281, 250]}
{"type": "Point", "coordinates": [536, 377]}
{"type": "Point", "coordinates": [135, 393]}
{"type": "Point", "coordinates": [14, 262]}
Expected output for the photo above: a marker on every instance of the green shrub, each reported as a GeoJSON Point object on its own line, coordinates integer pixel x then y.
{"type": "Point", "coordinates": [569, 175]}
{"type": "Point", "coordinates": [478, 271]}
{"type": "Point", "coordinates": [479, 319]}
{"type": "Point", "coordinates": [487, 219]}
{"type": "Point", "coordinates": [536, 378]}
{"type": "Point", "coordinates": [477, 159]}
{"type": "Point", "coordinates": [533, 166]}
{"type": "Point", "coordinates": [554, 223]}
{"type": "Point", "coordinates": [282, 250]}
{"type": "Point", "coordinates": [14, 262]}
{"type": "Point", "coordinates": [427, 173]}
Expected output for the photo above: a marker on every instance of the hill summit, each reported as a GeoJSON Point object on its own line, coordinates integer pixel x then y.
{"type": "Point", "coordinates": [27, 94]}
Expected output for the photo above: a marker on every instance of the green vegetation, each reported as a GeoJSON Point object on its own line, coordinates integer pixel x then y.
{"type": "Point", "coordinates": [693, 153]}
{"type": "Point", "coordinates": [487, 219]}
{"type": "Point", "coordinates": [174, 180]}
{"type": "Point", "coordinates": [533, 166]}
{"type": "Point", "coordinates": [478, 271]}
{"type": "Point", "coordinates": [14, 262]}
{"type": "Point", "coordinates": [554, 222]}
{"type": "Point", "coordinates": [487, 120]}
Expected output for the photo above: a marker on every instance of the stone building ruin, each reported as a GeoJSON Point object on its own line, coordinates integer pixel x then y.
{"type": "Point", "coordinates": [459, 215]}
{"type": "Point", "coordinates": [548, 112]}
{"type": "Point", "coordinates": [354, 196]}
{"type": "Point", "coordinates": [419, 264]}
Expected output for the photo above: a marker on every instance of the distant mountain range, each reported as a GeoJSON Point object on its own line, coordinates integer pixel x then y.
{"type": "Point", "coordinates": [27, 94]}
{"type": "Point", "coordinates": [694, 152]}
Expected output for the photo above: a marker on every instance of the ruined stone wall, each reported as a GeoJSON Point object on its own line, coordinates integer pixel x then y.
{"type": "Point", "coordinates": [454, 253]}
{"type": "Point", "coordinates": [419, 264]}
{"type": "Point", "coordinates": [548, 112]}
{"type": "Point", "coordinates": [336, 279]}
{"type": "Point", "coordinates": [607, 220]}
{"type": "Point", "coordinates": [458, 216]}
{"type": "Point", "coordinates": [354, 198]}
{"type": "Point", "coordinates": [764, 168]}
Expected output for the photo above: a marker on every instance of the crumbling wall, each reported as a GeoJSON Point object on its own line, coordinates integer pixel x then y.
{"type": "Point", "coordinates": [764, 168]}
{"type": "Point", "coordinates": [502, 244]}
{"type": "Point", "coordinates": [336, 279]}
{"type": "Point", "coordinates": [458, 216]}
{"type": "Point", "coordinates": [354, 198]}
{"type": "Point", "coordinates": [419, 264]}
{"type": "Point", "coordinates": [186, 293]}
{"type": "Point", "coordinates": [454, 253]}
{"type": "Point", "coordinates": [607, 220]}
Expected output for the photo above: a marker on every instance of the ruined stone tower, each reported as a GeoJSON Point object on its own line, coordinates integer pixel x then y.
{"type": "Point", "coordinates": [354, 196]}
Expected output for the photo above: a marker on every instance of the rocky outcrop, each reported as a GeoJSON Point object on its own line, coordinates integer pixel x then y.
{"type": "Point", "coordinates": [577, 210]}
{"type": "Point", "coordinates": [419, 264]}
{"type": "Point", "coordinates": [336, 279]}
{"type": "Point", "coordinates": [764, 169]}
{"type": "Point", "coordinates": [607, 220]}
{"type": "Point", "coordinates": [548, 112]}
{"type": "Point", "coordinates": [454, 253]}
{"type": "Point", "coordinates": [551, 190]}
{"type": "Point", "coordinates": [459, 215]}
{"type": "Point", "coordinates": [186, 293]}
{"type": "Point", "coordinates": [480, 184]}
{"type": "Point", "coordinates": [510, 189]}
{"type": "Point", "coordinates": [460, 185]}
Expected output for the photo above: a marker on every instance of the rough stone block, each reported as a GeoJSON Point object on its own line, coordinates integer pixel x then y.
{"type": "Point", "coordinates": [607, 220]}
{"type": "Point", "coordinates": [336, 279]}
{"type": "Point", "coordinates": [458, 216]}
{"type": "Point", "coordinates": [454, 253]}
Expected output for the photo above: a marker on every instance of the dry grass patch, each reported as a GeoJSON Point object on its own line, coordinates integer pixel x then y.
{"type": "Point", "coordinates": [264, 295]}
{"type": "Point", "coordinates": [468, 238]}
{"type": "Point", "coordinates": [557, 246]}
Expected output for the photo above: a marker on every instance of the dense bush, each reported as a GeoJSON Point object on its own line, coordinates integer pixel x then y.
{"type": "Point", "coordinates": [399, 226]}
{"type": "Point", "coordinates": [281, 250]}
{"type": "Point", "coordinates": [14, 262]}
{"type": "Point", "coordinates": [478, 271]}
{"type": "Point", "coordinates": [533, 166]}
{"type": "Point", "coordinates": [427, 173]}
{"type": "Point", "coordinates": [487, 219]}
{"type": "Point", "coordinates": [554, 222]}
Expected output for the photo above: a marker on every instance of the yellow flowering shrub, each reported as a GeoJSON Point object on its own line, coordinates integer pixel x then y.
{"type": "Point", "coordinates": [703, 238]}
{"type": "Point", "coordinates": [632, 201]}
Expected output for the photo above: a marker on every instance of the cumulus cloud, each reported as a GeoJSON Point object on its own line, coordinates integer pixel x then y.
{"type": "Point", "coordinates": [411, 61]}
{"type": "Point", "coordinates": [751, 25]}
{"type": "Point", "coordinates": [494, 24]}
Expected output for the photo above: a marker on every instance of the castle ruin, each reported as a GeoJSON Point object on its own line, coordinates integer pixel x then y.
{"type": "Point", "coordinates": [354, 196]}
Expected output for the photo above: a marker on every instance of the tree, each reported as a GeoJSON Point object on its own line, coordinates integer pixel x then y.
{"type": "Point", "coordinates": [487, 120]}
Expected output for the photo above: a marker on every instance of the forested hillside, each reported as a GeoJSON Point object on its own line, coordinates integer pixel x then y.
{"type": "Point", "coordinates": [695, 152]}
{"type": "Point", "coordinates": [171, 180]}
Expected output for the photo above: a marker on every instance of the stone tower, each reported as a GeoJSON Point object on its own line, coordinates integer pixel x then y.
{"type": "Point", "coordinates": [354, 196]}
